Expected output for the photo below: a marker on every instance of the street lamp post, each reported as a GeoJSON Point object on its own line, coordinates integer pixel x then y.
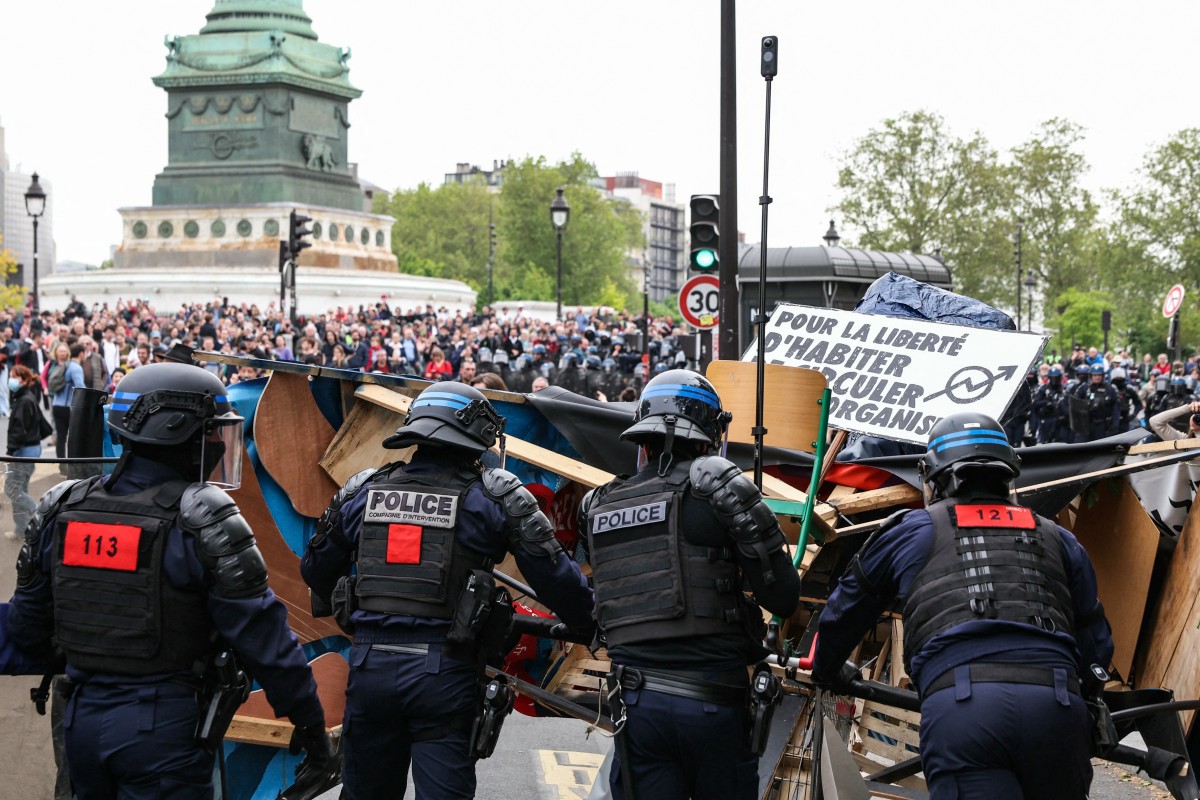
{"type": "Point", "coordinates": [1018, 241]}
{"type": "Point", "coordinates": [1030, 282]}
{"type": "Point", "coordinates": [559, 213]}
{"type": "Point", "coordinates": [35, 206]}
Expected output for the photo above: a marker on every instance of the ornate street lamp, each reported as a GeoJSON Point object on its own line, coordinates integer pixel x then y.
{"type": "Point", "coordinates": [559, 213]}
{"type": "Point", "coordinates": [35, 206]}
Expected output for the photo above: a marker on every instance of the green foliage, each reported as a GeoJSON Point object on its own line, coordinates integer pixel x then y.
{"type": "Point", "coordinates": [11, 297]}
{"type": "Point", "coordinates": [1075, 317]}
{"type": "Point", "coordinates": [443, 232]}
{"type": "Point", "coordinates": [911, 186]}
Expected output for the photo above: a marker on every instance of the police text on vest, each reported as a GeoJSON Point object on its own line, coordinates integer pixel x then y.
{"type": "Point", "coordinates": [411, 508]}
{"type": "Point", "coordinates": [629, 517]}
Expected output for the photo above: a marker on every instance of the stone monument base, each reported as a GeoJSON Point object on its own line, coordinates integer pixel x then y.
{"type": "Point", "coordinates": [318, 290]}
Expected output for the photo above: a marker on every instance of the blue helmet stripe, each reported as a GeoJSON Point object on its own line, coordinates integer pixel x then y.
{"type": "Point", "coordinates": [967, 442]}
{"type": "Point", "coordinates": [439, 403]}
{"type": "Point", "coordinates": [457, 399]}
{"type": "Point", "coordinates": [679, 390]}
{"type": "Point", "coordinates": [126, 395]}
{"type": "Point", "coordinates": [120, 406]}
{"type": "Point", "coordinates": [973, 434]}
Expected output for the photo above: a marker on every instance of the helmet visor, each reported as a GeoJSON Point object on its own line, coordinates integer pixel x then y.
{"type": "Point", "coordinates": [221, 455]}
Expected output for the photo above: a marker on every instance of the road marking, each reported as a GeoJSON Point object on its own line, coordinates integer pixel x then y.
{"type": "Point", "coordinates": [570, 774]}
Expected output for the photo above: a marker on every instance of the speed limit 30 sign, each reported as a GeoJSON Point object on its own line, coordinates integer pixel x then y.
{"type": "Point", "coordinates": [699, 300]}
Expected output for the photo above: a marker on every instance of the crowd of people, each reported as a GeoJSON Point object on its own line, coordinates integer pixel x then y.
{"type": "Point", "coordinates": [1088, 395]}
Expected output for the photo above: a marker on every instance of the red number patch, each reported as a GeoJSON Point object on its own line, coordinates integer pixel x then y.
{"type": "Point", "coordinates": [102, 546]}
{"type": "Point", "coordinates": [404, 544]}
{"type": "Point", "coordinates": [995, 516]}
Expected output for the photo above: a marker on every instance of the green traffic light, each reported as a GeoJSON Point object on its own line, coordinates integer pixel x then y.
{"type": "Point", "coordinates": [705, 259]}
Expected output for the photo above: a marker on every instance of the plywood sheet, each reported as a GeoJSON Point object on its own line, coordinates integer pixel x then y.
{"type": "Point", "coordinates": [358, 444]}
{"type": "Point", "coordinates": [283, 566]}
{"type": "Point", "coordinates": [292, 434]}
{"type": "Point", "coordinates": [1122, 541]}
{"type": "Point", "coordinates": [255, 721]}
{"type": "Point", "coordinates": [1173, 619]}
{"type": "Point", "coordinates": [791, 411]}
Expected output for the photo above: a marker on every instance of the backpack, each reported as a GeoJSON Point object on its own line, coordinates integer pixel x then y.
{"type": "Point", "coordinates": [57, 380]}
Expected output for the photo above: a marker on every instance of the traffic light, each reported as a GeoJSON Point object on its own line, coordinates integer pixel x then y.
{"type": "Point", "coordinates": [296, 234]}
{"type": "Point", "coordinates": [706, 233]}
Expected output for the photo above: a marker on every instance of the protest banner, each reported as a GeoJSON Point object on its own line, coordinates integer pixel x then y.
{"type": "Point", "coordinates": [895, 378]}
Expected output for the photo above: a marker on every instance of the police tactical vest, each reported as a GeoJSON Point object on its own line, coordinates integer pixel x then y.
{"type": "Point", "coordinates": [408, 559]}
{"type": "Point", "coordinates": [989, 561]}
{"type": "Point", "coordinates": [650, 582]}
{"type": "Point", "coordinates": [115, 612]}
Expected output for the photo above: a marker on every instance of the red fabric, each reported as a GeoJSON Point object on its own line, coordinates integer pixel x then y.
{"type": "Point", "coordinates": [404, 544]}
{"type": "Point", "coordinates": [101, 546]}
{"type": "Point", "coordinates": [516, 663]}
{"type": "Point", "coordinates": [433, 372]}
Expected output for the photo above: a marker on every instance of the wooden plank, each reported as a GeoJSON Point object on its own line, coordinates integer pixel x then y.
{"type": "Point", "coordinates": [899, 673]}
{"type": "Point", "coordinates": [791, 407]}
{"type": "Point", "coordinates": [1122, 542]}
{"type": "Point", "coordinates": [1183, 673]}
{"type": "Point", "coordinates": [900, 494]}
{"type": "Point", "coordinates": [557, 463]}
{"type": "Point", "coordinates": [387, 398]}
{"type": "Point", "coordinates": [283, 566]}
{"type": "Point", "coordinates": [1173, 617]}
{"type": "Point", "coordinates": [1160, 447]}
{"type": "Point", "coordinates": [256, 730]}
{"type": "Point", "coordinates": [292, 435]}
{"type": "Point", "coordinates": [255, 720]}
{"type": "Point", "coordinates": [824, 515]}
{"type": "Point", "coordinates": [358, 444]}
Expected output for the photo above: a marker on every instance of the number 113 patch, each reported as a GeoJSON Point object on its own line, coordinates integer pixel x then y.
{"type": "Point", "coordinates": [101, 546]}
{"type": "Point", "coordinates": [996, 515]}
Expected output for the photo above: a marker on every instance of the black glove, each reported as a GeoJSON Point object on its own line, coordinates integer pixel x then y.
{"type": "Point", "coordinates": [581, 634]}
{"type": "Point", "coordinates": [315, 742]}
{"type": "Point", "coordinates": [840, 681]}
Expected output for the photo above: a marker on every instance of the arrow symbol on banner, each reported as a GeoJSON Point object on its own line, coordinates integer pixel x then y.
{"type": "Point", "coordinates": [971, 384]}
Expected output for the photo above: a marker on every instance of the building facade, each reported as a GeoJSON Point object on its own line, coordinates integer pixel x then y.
{"type": "Point", "coordinates": [16, 226]}
{"type": "Point", "coordinates": [661, 264]}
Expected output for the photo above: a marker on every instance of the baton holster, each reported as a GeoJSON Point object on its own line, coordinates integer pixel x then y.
{"type": "Point", "coordinates": [498, 699]}
{"type": "Point", "coordinates": [1103, 732]}
{"type": "Point", "coordinates": [39, 695]}
{"type": "Point", "coordinates": [224, 687]}
{"type": "Point", "coordinates": [765, 695]}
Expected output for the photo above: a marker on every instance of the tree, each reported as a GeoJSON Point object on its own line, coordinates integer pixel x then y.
{"type": "Point", "coordinates": [1059, 215]}
{"type": "Point", "coordinates": [441, 232]}
{"type": "Point", "coordinates": [599, 232]}
{"type": "Point", "coordinates": [1077, 318]}
{"type": "Point", "coordinates": [912, 186]}
{"type": "Point", "coordinates": [11, 297]}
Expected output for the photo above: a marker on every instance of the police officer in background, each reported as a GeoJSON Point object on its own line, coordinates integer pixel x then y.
{"type": "Point", "coordinates": [1128, 401]}
{"type": "Point", "coordinates": [1103, 410]}
{"type": "Point", "coordinates": [134, 577]}
{"type": "Point", "coordinates": [671, 549]}
{"type": "Point", "coordinates": [418, 536]}
{"type": "Point", "coordinates": [996, 660]}
{"type": "Point", "coordinates": [1047, 407]}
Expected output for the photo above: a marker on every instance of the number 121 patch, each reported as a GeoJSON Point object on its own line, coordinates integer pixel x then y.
{"type": "Point", "coordinates": [994, 516]}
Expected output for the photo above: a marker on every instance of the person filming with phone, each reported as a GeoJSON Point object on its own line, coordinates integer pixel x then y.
{"type": "Point", "coordinates": [1181, 422]}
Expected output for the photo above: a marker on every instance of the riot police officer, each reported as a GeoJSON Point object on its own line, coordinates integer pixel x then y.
{"type": "Point", "coordinates": [670, 547]}
{"type": "Point", "coordinates": [421, 538]}
{"type": "Point", "coordinates": [1103, 410]}
{"type": "Point", "coordinates": [136, 577]}
{"type": "Point", "coordinates": [1047, 407]}
{"type": "Point", "coordinates": [997, 664]}
{"type": "Point", "coordinates": [1128, 401]}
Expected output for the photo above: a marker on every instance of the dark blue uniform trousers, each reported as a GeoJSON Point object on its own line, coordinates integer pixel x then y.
{"type": "Point", "coordinates": [136, 743]}
{"type": "Point", "coordinates": [680, 748]}
{"type": "Point", "coordinates": [1005, 741]}
{"type": "Point", "coordinates": [394, 698]}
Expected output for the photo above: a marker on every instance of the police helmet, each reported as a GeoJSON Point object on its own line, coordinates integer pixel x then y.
{"type": "Point", "coordinates": [1082, 370]}
{"type": "Point", "coordinates": [681, 404]}
{"type": "Point", "coordinates": [168, 403]}
{"type": "Point", "coordinates": [968, 439]}
{"type": "Point", "coordinates": [539, 349]}
{"type": "Point", "coordinates": [524, 362]}
{"type": "Point", "coordinates": [1055, 372]}
{"type": "Point", "coordinates": [609, 364]}
{"type": "Point", "coordinates": [1178, 385]}
{"type": "Point", "coordinates": [484, 356]}
{"type": "Point", "coordinates": [1118, 374]}
{"type": "Point", "coordinates": [450, 414]}
{"type": "Point", "coordinates": [661, 367]}
{"type": "Point", "coordinates": [593, 362]}
{"type": "Point", "coordinates": [180, 414]}
{"type": "Point", "coordinates": [500, 358]}
{"type": "Point", "coordinates": [1096, 369]}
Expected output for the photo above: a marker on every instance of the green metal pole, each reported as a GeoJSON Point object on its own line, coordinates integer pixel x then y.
{"type": "Point", "coordinates": [814, 483]}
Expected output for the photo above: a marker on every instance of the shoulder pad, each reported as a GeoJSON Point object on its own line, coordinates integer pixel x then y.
{"type": "Point", "coordinates": [528, 528]}
{"type": "Point", "coordinates": [499, 482]}
{"type": "Point", "coordinates": [329, 526]}
{"type": "Point", "coordinates": [893, 519]}
{"type": "Point", "coordinates": [707, 473]}
{"type": "Point", "coordinates": [27, 564]}
{"type": "Point", "coordinates": [224, 542]}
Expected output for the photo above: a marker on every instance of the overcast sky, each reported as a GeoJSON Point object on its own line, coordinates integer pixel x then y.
{"type": "Point", "coordinates": [632, 84]}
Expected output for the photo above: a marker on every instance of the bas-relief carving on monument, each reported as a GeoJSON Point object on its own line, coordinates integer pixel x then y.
{"type": "Point", "coordinates": [318, 152]}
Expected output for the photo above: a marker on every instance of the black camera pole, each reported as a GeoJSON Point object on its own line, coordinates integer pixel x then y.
{"type": "Point", "coordinates": [768, 66]}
